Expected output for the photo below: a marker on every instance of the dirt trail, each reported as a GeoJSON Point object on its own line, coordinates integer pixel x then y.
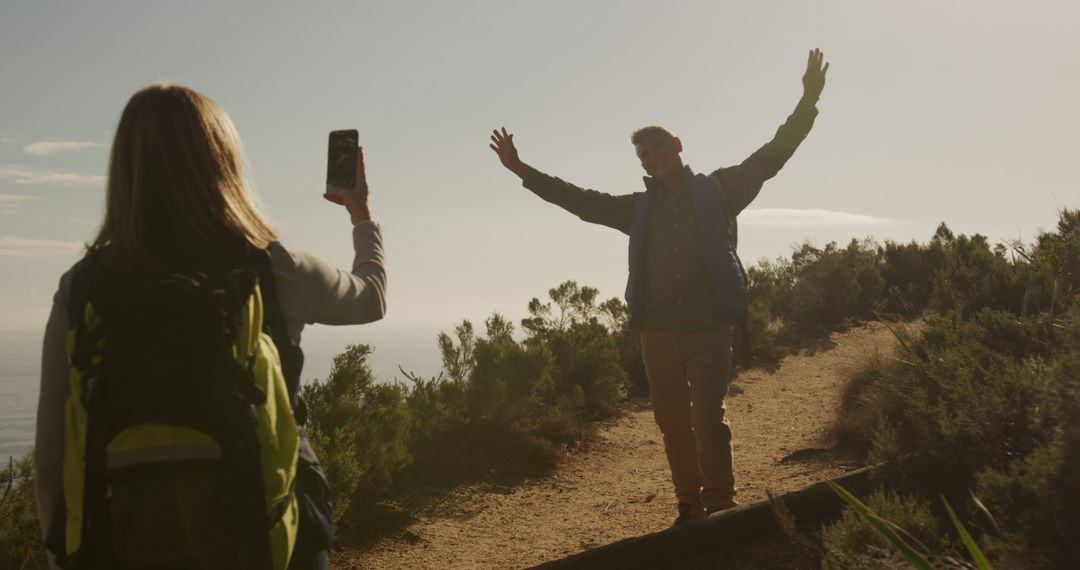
{"type": "Point", "coordinates": [618, 486]}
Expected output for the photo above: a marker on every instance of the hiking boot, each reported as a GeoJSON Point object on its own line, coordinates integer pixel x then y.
{"type": "Point", "coordinates": [688, 514]}
{"type": "Point", "coordinates": [728, 504]}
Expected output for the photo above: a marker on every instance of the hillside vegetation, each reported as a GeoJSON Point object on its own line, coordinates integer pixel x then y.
{"type": "Point", "coordinates": [982, 408]}
{"type": "Point", "coordinates": [984, 399]}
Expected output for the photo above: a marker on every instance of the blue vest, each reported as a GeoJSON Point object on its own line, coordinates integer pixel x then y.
{"type": "Point", "coordinates": [722, 268]}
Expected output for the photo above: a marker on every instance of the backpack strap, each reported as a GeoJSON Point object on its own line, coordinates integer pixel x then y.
{"type": "Point", "coordinates": [85, 275]}
{"type": "Point", "coordinates": [741, 343]}
{"type": "Point", "coordinates": [316, 529]}
{"type": "Point", "coordinates": [292, 356]}
{"type": "Point", "coordinates": [96, 542]}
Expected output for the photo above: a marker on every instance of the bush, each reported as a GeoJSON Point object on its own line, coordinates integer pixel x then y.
{"type": "Point", "coordinates": [956, 406]}
{"type": "Point", "coordinates": [1023, 499]}
{"type": "Point", "coordinates": [358, 428]}
{"type": "Point", "coordinates": [973, 276]}
{"type": "Point", "coordinates": [966, 409]}
{"type": "Point", "coordinates": [986, 399]}
{"type": "Point", "coordinates": [860, 403]}
{"type": "Point", "coordinates": [583, 338]}
{"type": "Point", "coordinates": [769, 285]}
{"type": "Point", "coordinates": [505, 390]}
{"type": "Point", "coordinates": [499, 409]}
{"type": "Point", "coordinates": [834, 284]}
{"type": "Point", "coordinates": [1055, 258]}
{"type": "Point", "coordinates": [481, 421]}
{"type": "Point", "coordinates": [20, 536]}
{"type": "Point", "coordinates": [761, 329]}
{"type": "Point", "coordinates": [906, 270]}
{"type": "Point", "coordinates": [851, 543]}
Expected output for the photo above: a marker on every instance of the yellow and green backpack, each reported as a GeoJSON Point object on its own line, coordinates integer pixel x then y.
{"type": "Point", "coordinates": [180, 441]}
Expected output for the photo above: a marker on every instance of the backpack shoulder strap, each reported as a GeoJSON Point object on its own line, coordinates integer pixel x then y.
{"type": "Point", "coordinates": [732, 223]}
{"type": "Point", "coordinates": [86, 279]}
{"type": "Point", "coordinates": [743, 352]}
{"type": "Point", "coordinates": [83, 275]}
{"type": "Point", "coordinates": [86, 276]}
{"type": "Point", "coordinates": [292, 357]}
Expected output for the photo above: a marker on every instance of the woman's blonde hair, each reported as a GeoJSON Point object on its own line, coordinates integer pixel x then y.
{"type": "Point", "coordinates": [176, 191]}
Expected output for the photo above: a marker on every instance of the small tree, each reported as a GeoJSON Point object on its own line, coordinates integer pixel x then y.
{"type": "Point", "coordinates": [589, 343]}
{"type": "Point", "coordinates": [459, 360]}
{"type": "Point", "coordinates": [358, 427]}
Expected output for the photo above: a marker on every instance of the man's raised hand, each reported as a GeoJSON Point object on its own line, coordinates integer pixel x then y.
{"type": "Point", "coordinates": [503, 145]}
{"type": "Point", "coordinates": [814, 79]}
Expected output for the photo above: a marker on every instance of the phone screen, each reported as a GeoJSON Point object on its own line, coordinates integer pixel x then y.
{"type": "Point", "coordinates": [341, 163]}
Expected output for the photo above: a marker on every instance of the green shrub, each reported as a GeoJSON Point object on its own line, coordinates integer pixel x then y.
{"type": "Point", "coordinates": [958, 406]}
{"type": "Point", "coordinates": [1067, 485]}
{"type": "Point", "coordinates": [1023, 500]}
{"type": "Point", "coordinates": [359, 429]}
{"type": "Point", "coordinates": [769, 284]}
{"type": "Point", "coordinates": [987, 398]}
{"type": "Point", "coordinates": [907, 270]}
{"type": "Point", "coordinates": [506, 386]}
{"type": "Point", "coordinates": [586, 357]}
{"type": "Point", "coordinates": [825, 290]}
{"type": "Point", "coordinates": [860, 407]}
{"type": "Point", "coordinates": [436, 405]}
{"type": "Point", "coordinates": [852, 543]}
{"type": "Point", "coordinates": [340, 462]}
{"type": "Point", "coordinates": [502, 406]}
{"type": "Point", "coordinates": [458, 360]}
{"type": "Point", "coordinates": [482, 422]}
{"type": "Point", "coordinates": [1054, 260]}
{"type": "Point", "coordinates": [972, 276]}
{"type": "Point", "coordinates": [582, 337]}
{"type": "Point", "coordinates": [563, 420]}
{"type": "Point", "coordinates": [834, 284]}
{"type": "Point", "coordinates": [762, 328]}
{"type": "Point", "coordinates": [20, 536]}
{"type": "Point", "coordinates": [966, 409]}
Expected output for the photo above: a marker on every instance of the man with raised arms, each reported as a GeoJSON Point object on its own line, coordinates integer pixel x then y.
{"type": "Point", "coordinates": [685, 287]}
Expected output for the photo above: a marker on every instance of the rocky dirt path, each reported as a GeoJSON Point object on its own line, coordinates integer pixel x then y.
{"type": "Point", "coordinates": [618, 486]}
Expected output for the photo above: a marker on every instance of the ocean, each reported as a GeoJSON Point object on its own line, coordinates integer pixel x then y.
{"type": "Point", "coordinates": [410, 346]}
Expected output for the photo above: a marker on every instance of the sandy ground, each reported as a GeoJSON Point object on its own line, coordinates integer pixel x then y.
{"type": "Point", "coordinates": [618, 485]}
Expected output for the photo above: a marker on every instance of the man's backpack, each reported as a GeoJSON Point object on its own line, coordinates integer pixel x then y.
{"type": "Point", "coordinates": [180, 441]}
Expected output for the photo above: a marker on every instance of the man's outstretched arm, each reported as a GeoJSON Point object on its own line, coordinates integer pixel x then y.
{"type": "Point", "coordinates": [589, 205]}
{"type": "Point", "coordinates": [743, 182]}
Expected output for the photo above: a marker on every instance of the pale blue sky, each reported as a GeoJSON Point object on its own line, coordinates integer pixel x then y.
{"type": "Point", "coordinates": [956, 111]}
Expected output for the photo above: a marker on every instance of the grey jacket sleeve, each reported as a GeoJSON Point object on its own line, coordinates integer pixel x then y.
{"type": "Point", "coordinates": [49, 435]}
{"type": "Point", "coordinates": [311, 290]}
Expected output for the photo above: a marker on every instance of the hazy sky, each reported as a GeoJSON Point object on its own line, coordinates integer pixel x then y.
{"type": "Point", "coordinates": [956, 111]}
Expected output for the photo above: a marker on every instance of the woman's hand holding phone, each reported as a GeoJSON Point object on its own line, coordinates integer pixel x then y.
{"type": "Point", "coordinates": [354, 199]}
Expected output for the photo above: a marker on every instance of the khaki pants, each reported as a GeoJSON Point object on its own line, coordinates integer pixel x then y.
{"type": "Point", "coordinates": [688, 379]}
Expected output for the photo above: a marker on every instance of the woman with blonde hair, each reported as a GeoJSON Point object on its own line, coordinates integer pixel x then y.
{"type": "Point", "coordinates": [181, 228]}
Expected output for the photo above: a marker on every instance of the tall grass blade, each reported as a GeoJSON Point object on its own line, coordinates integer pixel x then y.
{"type": "Point", "coordinates": [900, 339]}
{"type": "Point", "coordinates": [913, 557]}
{"type": "Point", "coordinates": [985, 511]}
{"type": "Point", "coordinates": [973, 549]}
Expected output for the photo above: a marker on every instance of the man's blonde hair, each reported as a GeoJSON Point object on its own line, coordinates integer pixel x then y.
{"type": "Point", "coordinates": [650, 132]}
{"type": "Point", "coordinates": [176, 188]}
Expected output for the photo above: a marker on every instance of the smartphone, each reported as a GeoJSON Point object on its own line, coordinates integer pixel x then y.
{"type": "Point", "coordinates": [341, 163]}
